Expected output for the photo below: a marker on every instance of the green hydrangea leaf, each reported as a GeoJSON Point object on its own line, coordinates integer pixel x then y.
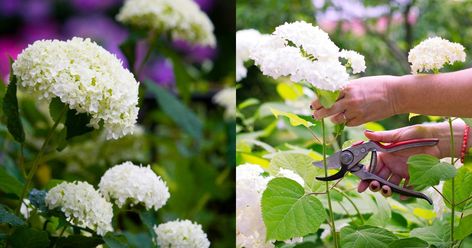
{"type": "Point", "coordinates": [300, 164]}
{"type": "Point", "coordinates": [78, 241]}
{"type": "Point", "coordinates": [56, 107]}
{"type": "Point", "coordinates": [294, 119]}
{"type": "Point", "coordinates": [327, 98]}
{"type": "Point", "coordinates": [426, 170]}
{"type": "Point", "coordinates": [289, 91]}
{"type": "Point", "coordinates": [11, 109]}
{"type": "Point", "coordinates": [462, 188]}
{"type": "Point", "coordinates": [464, 229]}
{"type": "Point", "coordinates": [409, 243]}
{"type": "Point", "coordinates": [287, 212]}
{"type": "Point", "coordinates": [115, 240]}
{"type": "Point", "coordinates": [366, 236]}
{"type": "Point", "coordinates": [9, 184]}
{"type": "Point", "coordinates": [182, 76]}
{"type": "Point", "coordinates": [438, 234]}
{"type": "Point", "coordinates": [29, 237]}
{"type": "Point", "coordinates": [184, 117]}
{"type": "Point", "coordinates": [9, 218]}
{"type": "Point", "coordinates": [76, 124]}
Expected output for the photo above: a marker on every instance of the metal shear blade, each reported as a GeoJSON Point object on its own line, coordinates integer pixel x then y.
{"type": "Point", "coordinates": [348, 160]}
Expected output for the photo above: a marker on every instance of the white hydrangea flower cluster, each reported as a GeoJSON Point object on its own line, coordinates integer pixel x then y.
{"type": "Point", "coordinates": [136, 184]}
{"type": "Point", "coordinates": [438, 202]}
{"type": "Point", "coordinates": [182, 18]}
{"type": "Point", "coordinates": [433, 53]}
{"type": "Point", "coordinates": [227, 98]}
{"type": "Point", "coordinates": [304, 53]}
{"type": "Point", "coordinates": [246, 40]}
{"type": "Point", "coordinates": [82, 205]}
{"type": "Point", "coordinates": [181, 234]}
{"type": "Point", "coordinates": [84, 76]}
{"type": "Point", "coordinates": [355, 60]}
{"type": "Point", "coordinates": [291, 175]}
{"type": "Point", "coordinates": [250, 228]}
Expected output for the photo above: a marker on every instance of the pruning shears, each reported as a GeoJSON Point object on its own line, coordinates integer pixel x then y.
{"type": "Point", "coordinates": [348, 160]}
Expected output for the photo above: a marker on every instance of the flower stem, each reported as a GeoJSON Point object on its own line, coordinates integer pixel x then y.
{"type": "Point", "coordinates": [331, 217]}
{"type": "Point", "coordinates": [352, 203]}
{"type": "Point", "coordinates": [453, 206]}
{"type": "Point", "coordinates": [151, 39]}
{"type": "Point", "coordinates": [21, 162]}
{"type": "Point", "coordinates": [35, 165]}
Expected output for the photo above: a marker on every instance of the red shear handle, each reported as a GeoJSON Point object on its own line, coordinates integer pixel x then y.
{"type": "Point", "coordinates": [401, 145]}
{"type": "Point", "coordinates": [365, 175]}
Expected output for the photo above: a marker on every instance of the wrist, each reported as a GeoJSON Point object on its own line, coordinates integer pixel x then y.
{"type": "Point", "coordinates": [397, 93]}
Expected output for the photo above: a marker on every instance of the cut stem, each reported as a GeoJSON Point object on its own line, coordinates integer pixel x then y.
{"type": "Point", "coordinates": [331, 216]}
{"type": "Point", "coordinates": [35, 165]}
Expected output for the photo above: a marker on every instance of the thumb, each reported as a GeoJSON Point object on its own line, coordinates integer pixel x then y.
{"type": "Point", "coordinates": [383, 136]}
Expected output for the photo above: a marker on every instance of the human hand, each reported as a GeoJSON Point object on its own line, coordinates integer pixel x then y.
{"type": "Point", "coordinates": [393, 166]}
{"type": "Point", "coordinates": [363, 100]}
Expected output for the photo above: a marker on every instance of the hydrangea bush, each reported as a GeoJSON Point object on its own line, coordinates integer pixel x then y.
{"type": "Point", "coordinates": [183, 19]}
{"type": "Point", "coordinates": [84, 76]}
{"type": "Point", "coordinates": [127, 182]}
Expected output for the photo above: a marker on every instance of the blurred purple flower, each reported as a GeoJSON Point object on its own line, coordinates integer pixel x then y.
{"type": "Point", "coordinates": [161, 72]}
{"type": "Point", "coordinates": [100, 29]}
{"type": "Point", "coordinates": [8, 47]}
{"type": "Point", "coordinates": [91, 5]}
{"type": "Point", "coordinates": [9, 7]}
{"type": "Point", "coordinates": [33, 31]}
{"type": "Point", "coordinates": [28, 9]}
{"type": "Point", "coordinates": [32, 10]}
{"type": "Point", "coordinates": [195, 53]}
{"type": "Point", "coordinates": [205, 5]}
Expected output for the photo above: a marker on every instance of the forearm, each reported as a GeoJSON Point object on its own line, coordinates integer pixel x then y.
{"type": "Point", "coordinates": [442, 132]}
{"type": "Point", "coordinates": [446, 94]}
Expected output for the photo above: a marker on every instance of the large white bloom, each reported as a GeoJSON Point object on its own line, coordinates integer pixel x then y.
{"type": "Point", "coordinates": [136, 184]}
{"type": "Point", "coordinates": [355, 60]}
{"type": "Point", "coordinates": [82, 205]}
{"type": "Point", "coordinates": [181, 234]}
{"type": "Point", "coordinates": [304, 53]}
{"type": "Point", "coordinates": [438, 202]}
{"type": "Point", "coordinates": [227, 98]}
{"type": "Point", "coordinates": [433, 53]}
{"type": "Point", "coordinates": [246, 40]}
{"type": "Point", "coordinates": [291, 175]}
{"type": "Point", "coordinates": [84, 76]}
{"type": "Point", "coordinates": [250, 228]}
{"type": "Point", "coordinates": [183, 19]}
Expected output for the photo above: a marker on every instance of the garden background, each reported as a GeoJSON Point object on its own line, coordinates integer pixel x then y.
{"type": "Point", "coordinates": [185, 139]}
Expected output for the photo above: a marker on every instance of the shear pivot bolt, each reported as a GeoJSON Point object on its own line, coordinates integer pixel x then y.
{"type": "Point", "coordinates": [346, 157]}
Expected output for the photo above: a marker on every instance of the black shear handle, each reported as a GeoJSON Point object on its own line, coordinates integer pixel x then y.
{"type": "Point", "coordinates": [365, 175]}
